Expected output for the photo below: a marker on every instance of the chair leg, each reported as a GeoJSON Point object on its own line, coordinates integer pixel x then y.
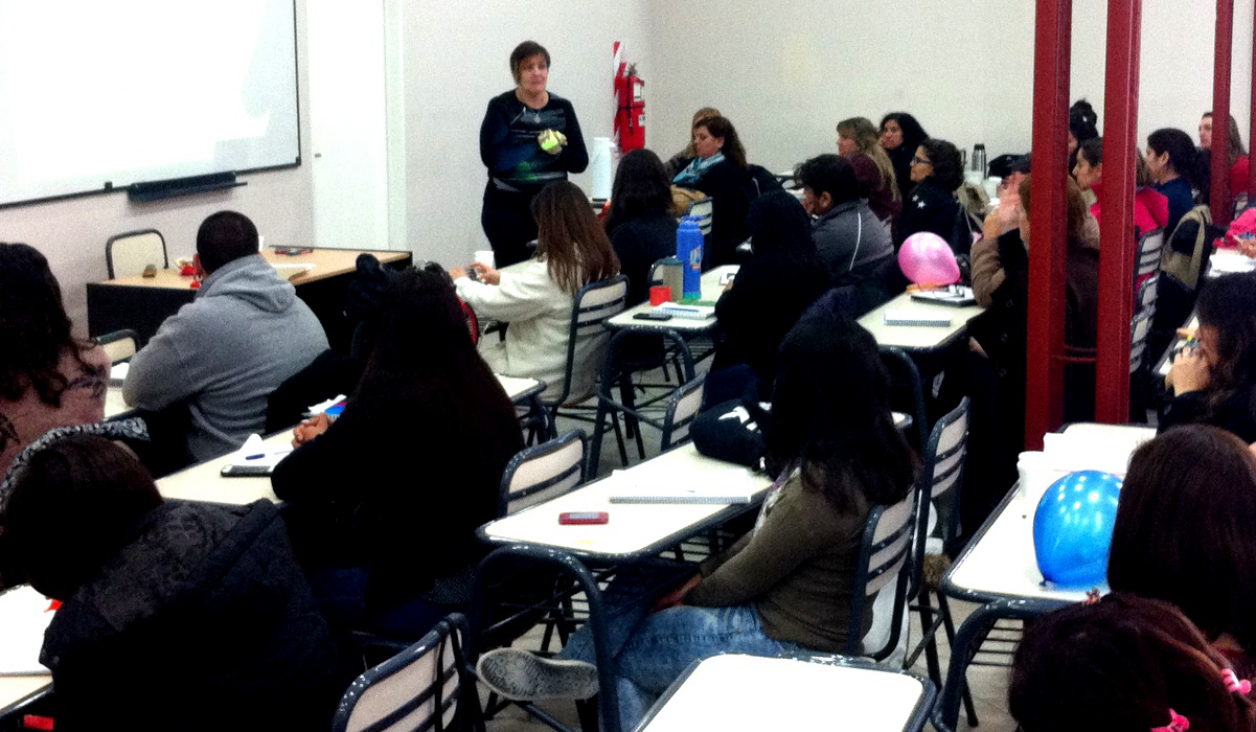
{"type": "Point", "coordinates": [931, 643]}
{"type": "Point", "coordinates": [619, 439]}
{"type": "Point", "coordinates": [949, 624]}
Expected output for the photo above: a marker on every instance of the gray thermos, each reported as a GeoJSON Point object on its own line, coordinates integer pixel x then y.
{"type": "Point", "coordinates": [979, 159]}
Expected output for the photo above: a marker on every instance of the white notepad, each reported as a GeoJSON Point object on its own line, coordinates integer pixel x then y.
{"type": "Point", "coordinates": [255, 458]}
{"type": "Point", "coordinates": [955, 295]}
{"type": "Point", "coordinates": [24, 615]}
{"type": "Point", "coordinates": [689, 312]}
{"type": "Point", "coordinates": [917, 317]}
{"type": "Point", "coordinates": [626, 490]}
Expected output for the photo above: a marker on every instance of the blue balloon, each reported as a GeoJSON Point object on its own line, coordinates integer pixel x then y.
{"type": "Point", "coordinates": [1073, 528]}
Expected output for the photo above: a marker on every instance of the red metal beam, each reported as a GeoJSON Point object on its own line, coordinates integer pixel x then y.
{"type": "Point", "coordinates": [1116, 227]}
{"type": "Point", "coordinates": [1044, 385]}
{"type": "Point", "coordinates": [1251, 134]}
{"type": "Point", "coordinates": [1220, 170]}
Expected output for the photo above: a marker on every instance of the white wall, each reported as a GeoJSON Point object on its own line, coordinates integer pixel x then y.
{"type": "Point", "coordinates": [456, 57]}
{"type": "Point", "coordinates": [786, 72]}
{"type": "Point", "coordinates": [72, 233]}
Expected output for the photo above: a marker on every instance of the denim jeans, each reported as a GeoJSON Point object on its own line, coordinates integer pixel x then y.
{"type": "Point", "coordinates": [653, 650]}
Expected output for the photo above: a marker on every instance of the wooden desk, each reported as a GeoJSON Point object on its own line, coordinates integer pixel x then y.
{"type": "Point", "coordinates": [711, 291]}
{"type": "Point", "coordinates": [999, 562]}
{"type": "Point", "coordinates": [916, 338]}
{"type": "Point", "coordinates": [142, 304]}
{"type": "Point", "coordinates": [732, 692]}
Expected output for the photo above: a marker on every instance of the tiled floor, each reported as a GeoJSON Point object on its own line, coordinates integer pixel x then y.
{"type": "Point", "coordinates": [988, 684]}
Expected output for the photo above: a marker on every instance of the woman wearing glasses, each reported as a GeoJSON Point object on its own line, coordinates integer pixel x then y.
{"type": "Point", "coordinates": [936, 171]}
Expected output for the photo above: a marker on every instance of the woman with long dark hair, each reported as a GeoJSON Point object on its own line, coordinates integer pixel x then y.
{"type": "Point", "coordinates": [1183, 534]}
{"type": "Point", "coordinates": [781, 279]}
{"type": "Point", "coordinates": [901, 134]}
{"type": "Point", "coordinates": [1173, 163]}
{"type": "Point", "coordinates": [721, 171]}
{"type": "Point", "coordinates": [386, 499]}
{"type": "Point", "coordinates": [1215, 382]}
{"type": "Point", "coordinates": [48, 378]}
{"type": "Point", "coordinates": [1123, 663]}
{"type": "Point", "coordinates": [1151, 209]}
{"type": "Point", "coordinates": [1237, 161]}
{"type": "Point", "coordinates": [787, 584]}
{"type": "Point", "coordinates": [572, 250]}
{"type": "Point", "coordinates": [640, 225]}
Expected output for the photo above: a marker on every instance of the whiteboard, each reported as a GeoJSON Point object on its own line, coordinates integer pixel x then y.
{"type": "Point", "coordinates": [98, 94]}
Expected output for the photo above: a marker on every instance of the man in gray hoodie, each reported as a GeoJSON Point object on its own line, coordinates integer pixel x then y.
{"type": "Point", "coordinates": [223, 354]}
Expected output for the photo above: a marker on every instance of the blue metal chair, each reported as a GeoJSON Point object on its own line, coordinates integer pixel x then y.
{"type": "Point", "coordinates": [594, 304]}
{"type": "Point", "coordinates": [425, 687]}
{"type": "Point", "coordinates": [542, 472]}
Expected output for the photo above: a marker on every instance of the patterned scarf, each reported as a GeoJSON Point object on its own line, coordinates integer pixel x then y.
{"type": "Point", "coordinates": [696, 169]}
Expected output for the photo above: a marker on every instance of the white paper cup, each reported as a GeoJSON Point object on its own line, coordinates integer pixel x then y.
{"type": "Point", "coordinates": [485, 257]}
{"type": "Point", "coordinates": [1031, 466]}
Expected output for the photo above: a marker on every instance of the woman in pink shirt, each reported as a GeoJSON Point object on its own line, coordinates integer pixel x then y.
{"type": "Point", "coordinates": [1151, 209]}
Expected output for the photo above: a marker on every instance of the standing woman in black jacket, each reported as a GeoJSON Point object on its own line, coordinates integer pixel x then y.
{"type": "Point", "coordinates": [1215, 382]}
{"type": "Point", "coordinates": [901, 134]}
{"type": "Point", "coordinates": [937, 172]}
{"type": "Point", "coordinates": [385, 501]}
{"type": "Point", "coordinates": [721, 172]}
{"type": "Point", "coordinates": [529, 138]}
{"type": "Point", "coordinates": [640, 225]}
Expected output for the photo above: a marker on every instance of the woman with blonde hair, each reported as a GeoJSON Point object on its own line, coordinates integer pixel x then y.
{"type": "Point", "coordinates": [572, 250]}
{"type": "Point", "coordinates": [859, 142]}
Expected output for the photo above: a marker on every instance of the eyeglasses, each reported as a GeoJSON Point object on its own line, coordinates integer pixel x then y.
{"type": "Point", "coordinates": [920, 161]}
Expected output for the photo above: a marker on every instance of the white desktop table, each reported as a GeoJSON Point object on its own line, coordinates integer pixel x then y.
{"type": "Point", "coordinates": [712, 288]}
{"type": "Point", "coordinates": [917, 337]}
{"type": "Point", "coordinates": [1228, 261]}
{"type": "Point", "coordinates": [25, 617]}
{"type": "Point", "coordinates": [635, 529]}
{"type": "Point", "coordinates": [735, 692]}
{"type": "Point", "coordinates": [999, 562]}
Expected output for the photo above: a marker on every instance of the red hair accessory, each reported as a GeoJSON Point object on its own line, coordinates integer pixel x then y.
{"type": "Point", "coordinates": [1177, 723]}
{"type": "Point", "coordinates": [1234, 684]}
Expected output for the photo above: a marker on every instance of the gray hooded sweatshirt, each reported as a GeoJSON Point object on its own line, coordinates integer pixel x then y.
{"type": "Point", "coordinates": [225, 352]}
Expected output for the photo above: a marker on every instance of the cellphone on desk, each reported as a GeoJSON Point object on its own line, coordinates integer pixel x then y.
{"type": "Point", "coordinates": [651, 315]}
{"type": "Point", "coordinates": [577, 518]}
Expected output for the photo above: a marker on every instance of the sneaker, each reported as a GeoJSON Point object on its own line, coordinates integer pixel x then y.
{"type": "Point", "coordinates": [524, 676]}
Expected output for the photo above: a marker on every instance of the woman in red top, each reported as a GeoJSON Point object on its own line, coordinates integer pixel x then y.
{"type": "Point", "coordinates": [1151, 209]}
{"type": "Point", "coordinates": [1236, 155]}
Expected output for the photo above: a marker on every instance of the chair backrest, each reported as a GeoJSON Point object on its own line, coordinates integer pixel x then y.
{"type": "Point", "coordinates": [883, 554]}
{"type": "Point", "coordinates": [594, 304]}
{"type": "Point", "coordinates": [1140, 327]}
{"type": "Point", "coordinates": [119, 345]}
{"type": "Point", "coordinates": [682, 408]}
{"type": "Point", "coordinates": [940, 479]}
{"type": "Point", "coordinates": [422, 688]}
{"type": "Point", "coordinates": [903, 371]}
{"type": "Point", "coordinates": [128, 254]}
{"type": "Point", "coordinates": [1148, 253]}
{"type": "Point", "coordinates": [1145, 296]}
{"type": "Point", "coordinates": [705, 211]}
{"type": "Point", "coordinates": [541, 472]}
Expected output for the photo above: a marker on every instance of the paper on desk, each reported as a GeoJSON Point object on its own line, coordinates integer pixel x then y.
{"type": "Point", "coordinates": [256, 453]}
{"type": "Point", "coordinates": [1082, 451]}
{"type": "Point", "coordinates": [24, 616]}
{"type": "Point", "coordinates": [292, 271]}
{"type": "Point", "coordinates": [118, 372]}
{"type": "Point", "coordinates": [1229, 262]}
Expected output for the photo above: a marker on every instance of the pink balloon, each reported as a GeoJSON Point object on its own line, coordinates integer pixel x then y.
{"type": "Point", "coordinates": [927, 259]}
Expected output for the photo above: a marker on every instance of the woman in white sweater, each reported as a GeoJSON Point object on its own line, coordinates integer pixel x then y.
{"type": "Point", "coordinates": [536, 299]}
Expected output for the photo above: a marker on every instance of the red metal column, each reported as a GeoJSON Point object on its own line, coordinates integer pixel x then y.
{"type": "Point", "coordinates": [1251, 134]}
{"type": "Point", "coordinates": [1220, 172]}
{"type": "Point", "coordinates": [1116, 227]}
{"type": "Point", "coordinates": [1044, 385]}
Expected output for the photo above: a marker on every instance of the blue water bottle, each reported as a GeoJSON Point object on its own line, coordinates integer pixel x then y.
{"type": "Point", "coordinates": [689, 252]}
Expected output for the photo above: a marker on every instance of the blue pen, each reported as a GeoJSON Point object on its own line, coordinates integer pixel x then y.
{"type": "Point", "coordinates": [254, 457]}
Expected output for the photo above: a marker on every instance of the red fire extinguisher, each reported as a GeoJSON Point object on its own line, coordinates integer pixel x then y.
{"type": "Point", "coordinates": [630, 115]}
